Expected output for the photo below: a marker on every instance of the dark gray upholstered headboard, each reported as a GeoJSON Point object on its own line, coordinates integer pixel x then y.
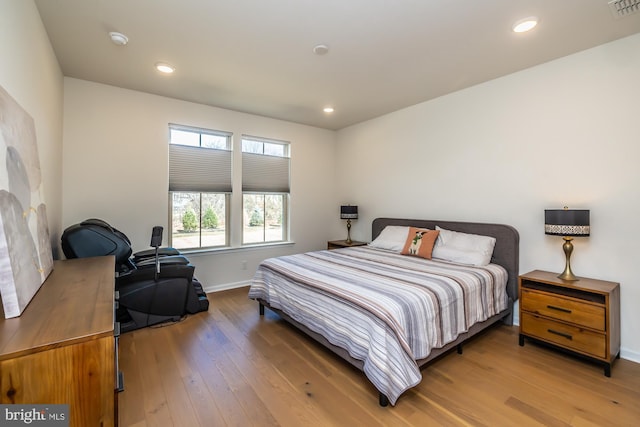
{"type": "Point", "coordinates": [505, 253]}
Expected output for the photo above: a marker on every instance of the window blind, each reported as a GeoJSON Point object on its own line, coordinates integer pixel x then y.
{"type": "Point", "coordinates": [199, 169]}
{"type": "Point", "coordinates": [265, 174]}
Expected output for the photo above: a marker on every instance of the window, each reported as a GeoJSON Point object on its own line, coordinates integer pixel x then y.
{"type": "Point", "coordinates": [199, 187]}
{"type": "Point", "coordinates": [265, 190]}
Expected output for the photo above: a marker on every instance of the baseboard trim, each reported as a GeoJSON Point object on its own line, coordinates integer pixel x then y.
{"type": "Point", "coordinates": [633, 356]}
{"type": "Point", "coordinates": [226, 286]}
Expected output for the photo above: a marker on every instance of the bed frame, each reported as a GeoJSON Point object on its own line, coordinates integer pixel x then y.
{"type": "Point", "coordinates": [505, 253]}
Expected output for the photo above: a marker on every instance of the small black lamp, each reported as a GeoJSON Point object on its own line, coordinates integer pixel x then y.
{"type": "Point", "coordinates": [567, 223]}
{"type": "Point", "coordinates": [348, 212]}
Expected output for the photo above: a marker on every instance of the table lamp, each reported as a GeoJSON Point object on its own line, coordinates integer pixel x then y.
{"type": "Point", "coordinates": [348, 212]}
{"type": "Point", "coordinates": [567, 223]}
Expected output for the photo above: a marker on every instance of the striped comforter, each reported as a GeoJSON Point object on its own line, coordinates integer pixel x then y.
{"type": "Point", "coordinates": [385, 309]}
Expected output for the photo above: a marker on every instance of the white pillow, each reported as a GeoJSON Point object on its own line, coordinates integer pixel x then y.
{"type": "Point", "coordinates": [463, 248]}
{"type": "Point", "coordinates": [392, 238]}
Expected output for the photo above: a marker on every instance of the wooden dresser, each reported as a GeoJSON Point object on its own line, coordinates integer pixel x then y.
{"type": "Point", "coordinates": [581, 316]}
{"type": "Point", "coordinates": [63, 349]}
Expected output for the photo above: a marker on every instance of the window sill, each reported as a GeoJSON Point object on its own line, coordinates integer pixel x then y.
{"type": "Point", "coordinates": [244, 248]}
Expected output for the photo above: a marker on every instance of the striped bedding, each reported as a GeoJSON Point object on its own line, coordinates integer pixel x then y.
{"type": "Point", "coordinates": [385, 309]}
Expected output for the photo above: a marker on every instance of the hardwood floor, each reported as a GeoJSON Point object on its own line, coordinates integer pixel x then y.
{"type": "Point", "coordinates": [231, 367]}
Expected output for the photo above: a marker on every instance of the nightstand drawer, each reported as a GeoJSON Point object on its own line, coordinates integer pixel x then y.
{"type": "Point", "coordinates": [568, 310]}
{"type": "Point", "coordinates": [564, 335]}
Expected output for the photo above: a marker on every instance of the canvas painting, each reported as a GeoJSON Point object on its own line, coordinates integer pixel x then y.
{"type": "Point", "coordinates": [26, 258]}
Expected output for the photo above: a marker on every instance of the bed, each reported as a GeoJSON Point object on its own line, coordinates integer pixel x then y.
{"type": "Point", "coordinates": [370, 305]}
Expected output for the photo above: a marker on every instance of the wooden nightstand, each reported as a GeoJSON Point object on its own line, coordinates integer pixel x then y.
{"type": "Point", "coordinates": [580, 316]}
{"type": "Point", "coordinates": [335, 244]}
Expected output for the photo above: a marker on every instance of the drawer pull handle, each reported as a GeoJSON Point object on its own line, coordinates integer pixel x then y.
{"type": "Point", "coordinates": [562, 334]}
{"type": "Point", "coordinates": [564, 310]}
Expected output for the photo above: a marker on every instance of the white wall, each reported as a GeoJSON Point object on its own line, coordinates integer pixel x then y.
{"type": "Point", "coordinates": [29, 72]}
{"type": "Point", "coordinates": [116, 168]}
{"type": "Point", "coordinates": [563, 133]}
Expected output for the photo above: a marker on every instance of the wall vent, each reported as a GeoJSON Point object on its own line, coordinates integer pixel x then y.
{"type": "Point", "coordinates": [622, 8]}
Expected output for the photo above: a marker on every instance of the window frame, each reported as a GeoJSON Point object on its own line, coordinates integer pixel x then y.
{"type": "Point", "coordinates": [286, 195]}
{"type": "Point", "coordinates": [275, 159]}
{"type": "Point", "coordinates": [227, 195]}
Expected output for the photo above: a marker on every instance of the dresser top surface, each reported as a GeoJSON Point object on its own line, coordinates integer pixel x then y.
{"type": "Point", "coordinates": [74, 304]}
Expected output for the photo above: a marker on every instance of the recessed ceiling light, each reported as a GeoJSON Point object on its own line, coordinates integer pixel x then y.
{"type": "Point", "coordinates": [321, 49]}
{"type": "Point", "coordinates": [118, 38]}
{"type": "Point", "coordinates": [328, 109]}
{"type": "Point", "coordinates": [524, 25]}
{"type": "Point", "coordinates": [163, 67]}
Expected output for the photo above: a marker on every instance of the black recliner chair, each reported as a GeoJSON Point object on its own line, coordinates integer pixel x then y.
{"type": "Point", "coordinates": [154, 286]}
{"type": "Point", "coordinates": [95, 237]}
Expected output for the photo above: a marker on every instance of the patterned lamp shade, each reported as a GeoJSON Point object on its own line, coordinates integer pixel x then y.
{"type": "Point", "coordinates": [348, 212]}
{"type": "Point", "coordinates": [566, 222]}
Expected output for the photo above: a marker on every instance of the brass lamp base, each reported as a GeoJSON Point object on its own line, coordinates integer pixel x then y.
{"type": "Point", "coordinates": [348, 232]}
{"type": "Point", "coordinates": [567, 274]}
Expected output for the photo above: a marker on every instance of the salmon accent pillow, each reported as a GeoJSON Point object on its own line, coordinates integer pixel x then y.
{"type": "Point", "coordinates": [420, 242]}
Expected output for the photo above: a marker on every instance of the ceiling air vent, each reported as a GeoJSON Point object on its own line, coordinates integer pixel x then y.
{"type": "Point", "coordinates": [621, 8]}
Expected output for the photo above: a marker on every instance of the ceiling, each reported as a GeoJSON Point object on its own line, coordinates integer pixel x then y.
{"type": "Point", "coordinates": [256, 56]}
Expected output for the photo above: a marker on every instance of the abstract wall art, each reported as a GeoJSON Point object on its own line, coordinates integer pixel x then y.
{"type": "Point", "coordinates": [26, 257]}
